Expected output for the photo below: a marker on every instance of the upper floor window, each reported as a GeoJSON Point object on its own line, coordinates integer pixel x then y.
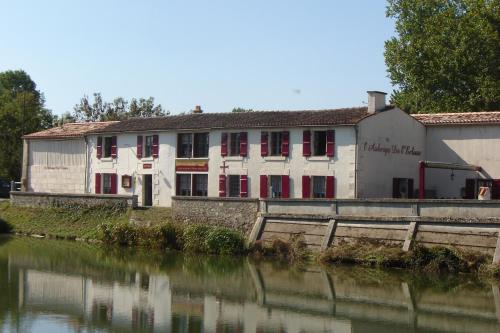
{"type": "Point", "coordinates": [108, 144]}
{"type": "Point", "coordinates": [192, 145]}
{"type": "Point", "coordinates": [148, 147]}
{"type": "Point", "coordinates": [276, 143]}
{"type": "Point", "coordinates": [234, 147]}
{"type": "Point", "coordinates": [319, 143]}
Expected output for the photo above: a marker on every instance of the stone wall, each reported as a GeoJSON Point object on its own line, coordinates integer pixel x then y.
{"type": "Point", "coordinates": [37, 199]}
{"type": "Point", "coordinates": [235, 213]}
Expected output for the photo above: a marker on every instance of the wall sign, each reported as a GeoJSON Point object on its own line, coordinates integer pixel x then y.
{"type": "Point", "coordinates": [397, 149]}
{"type": "Point", "coordinates": [126, 181]}
{"type": "Point", "coordinates": [191, 165]}
{"type": "Point", "coordinates": [147, 166]}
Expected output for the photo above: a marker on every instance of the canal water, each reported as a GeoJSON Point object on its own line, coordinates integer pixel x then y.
{"type": "Point", "coordinates": [58, 286]}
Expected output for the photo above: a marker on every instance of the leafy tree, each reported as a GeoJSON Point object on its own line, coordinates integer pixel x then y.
{"type": "Point", "coordinates": [22, 111]}
{"type": "Point", "coordinates": [119, 109]}
{"type": "Point", "coordinates": [446, 56]}
{"type": "Point", "coordinates": [238, 110]}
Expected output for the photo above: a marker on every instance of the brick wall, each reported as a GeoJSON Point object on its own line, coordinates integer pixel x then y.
{"type": "Point", "coordinates": [234, 213]}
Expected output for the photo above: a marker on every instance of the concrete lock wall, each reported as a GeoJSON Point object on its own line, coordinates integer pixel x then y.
{"type": "Point", "coordinates": [235, 213]}
{"type": "Point", "coordinates": [30, 199]}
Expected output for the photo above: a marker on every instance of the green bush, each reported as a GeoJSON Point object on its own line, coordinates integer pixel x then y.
{"type": "Point", "coordinates": [5, 228]}
{"type": "Point", "coordinates": [119, 234]}
{"type": "Point", "coordinates": [224, 241]}
{"type": "Point", "coordinates": [194, 237]}
{"type": "Point", "coordinates": [160, 236]}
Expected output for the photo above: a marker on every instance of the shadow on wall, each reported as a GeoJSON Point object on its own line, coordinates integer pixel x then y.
{"type": "Point", "coordinates": [5, 227]}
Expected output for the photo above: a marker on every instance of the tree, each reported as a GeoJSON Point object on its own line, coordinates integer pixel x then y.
{"type": "Point", "coordinates": [22, 111]}
{"type": "Point", "coordinates": [239, 110]}
{"type": "Point", "coordinates": [119, 109]}
{"type": "Point", "coordinates": [446, 57]}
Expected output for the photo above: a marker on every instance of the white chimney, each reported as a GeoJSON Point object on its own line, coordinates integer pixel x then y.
{"type": "Point", "coordinates": [376, 101]}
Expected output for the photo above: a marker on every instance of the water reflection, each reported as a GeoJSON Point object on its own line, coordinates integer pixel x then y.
{"type": "Point", "coordinates": [48, 286]}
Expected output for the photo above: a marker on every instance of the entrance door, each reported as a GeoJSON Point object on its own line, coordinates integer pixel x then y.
{"type": "Point", "coordinates": [402, 188]}
{"type": "Point", "coordinates": [495, 191]}
{"type": "Point", "coordinates": [148, 190]}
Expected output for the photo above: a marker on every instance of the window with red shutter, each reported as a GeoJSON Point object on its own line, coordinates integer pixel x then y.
{"type": "Point", "coordinates": [222, 186]}
{"type": "Point", "coordinates": [264, 144]}
{"type": "Point", "coordinates": [98, 183]}
{"type": "Point", "coordinates": [114, 149]}
{"type": "Point", "coordinates": [243, 143]}
{"type": "Point", "coordinates": [330, 187]}
{"type": "Point", "coordinates": [243, 186]}
{"type": "Point", "coordinates": [263, 186]}
{"type": "Point", "coordinates": [306, 187]}
{"type": "Point", "coordinates": [285, 186]}
{"type": "Point", "coordinates": [223, 144]}
{"type": "Point", "coordinates": [330, 143]}
{"type": "Point", "coordinates": [99, 147]}
{"type": "Point", "coordinates": [139, 146]}
{"type": "Point", "coordinates": [114, 183]}
{"type": "Point", "coordinates": [285, 143]}
{"type": "Point", "coordinates": [155, 146]}
{"type": "Point", "coordinates": [306, 143]}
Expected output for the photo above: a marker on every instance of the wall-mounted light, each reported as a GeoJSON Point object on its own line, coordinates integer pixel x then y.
{"type": "Point", "coordinates": [452, 176]}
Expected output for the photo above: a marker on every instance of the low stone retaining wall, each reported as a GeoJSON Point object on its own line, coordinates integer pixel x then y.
{"type": "Point", "coordinates": [38, 199]}
{"type": "Point", "coordinates": [235, 213]}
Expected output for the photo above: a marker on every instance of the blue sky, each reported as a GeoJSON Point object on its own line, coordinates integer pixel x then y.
{"type": "Point", "coordinates": [262, 54]}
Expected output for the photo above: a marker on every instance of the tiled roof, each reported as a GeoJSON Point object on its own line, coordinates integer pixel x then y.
{"type": "Point", "coordinates": [231, 120]}
{"type": "Point", "coordinates": [467, 118]}
{"type": "Point", "coordinates": [69, 130]}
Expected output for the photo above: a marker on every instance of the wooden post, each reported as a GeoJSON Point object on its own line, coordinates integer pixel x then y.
{"type": "Point", "coordinates": [410, 235]}
{"type": "Point", "coordinates": [256, 230]}
{"type": "Point", "coordinates": [496, 256]}
{"type": "Point", "coordinates": [329, 234]}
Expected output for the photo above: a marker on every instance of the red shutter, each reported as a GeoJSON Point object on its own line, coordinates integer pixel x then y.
{"type": "Point", "coordinates": [114, 183]}
{"type": "Point", "coordinates": [114, 150]}
{"type": "Point", "coordinates": [243, 143]}
{"type": "Point", "coordinates": [306, 143]}
{"type": "Point", "coordinates": [306, 187]}
{"type": "Point", "coordinates": [285, 143]}
{"type": "Point", "coordinates": [243, 186]}
{"type": "Point", "coordinates": [99, 147]}
{"type": "Point", "coordinates": [330, 143]}
{"type": "Point", "coordinates": [264, 146]}
{"type": "Point", "coordinates": [263, 186]}
{"type": "Point", "coordinates": [285, 186]}
{"type": "Point", "coordinates": [330, 187]}
{"type": "Point", "coordinates": [222, 186]}
{"type": "Point", "coordinates": [97, 183]}
{"type": "Point", "coordinates": [223, 144]}
{"type": "Point", "coordinates": [155, 146]}
{"type": "Point", "coordinates": [139, 146]}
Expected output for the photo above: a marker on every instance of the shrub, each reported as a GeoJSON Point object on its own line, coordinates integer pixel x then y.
{"type": "Point", "coordinates": [159, 236]}
{"type": "Point", "coordinates": [294, 250]}
{"type": "Point", "coordinates": [5, 228]}
{"type": "Point", "coordinates": [119, 234]}
{"type": "Point", "coordinates": [194, 238]}
{"type": "Point", "coordinates": [224, 241]}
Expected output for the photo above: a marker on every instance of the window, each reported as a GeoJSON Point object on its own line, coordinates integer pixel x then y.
{"type": "Point", "coordinates": [319, 141]}
{"type": "Point", "coordinates": [184, 183]}
{"type": "Point", "coordinates": [107, 185]}
{"type": "Point", "coordinates": [318, 187]}
{"type": "Point", "coordinates": [184, 145]}
{"type": "Point", "coordinates": [276, 141]}
{"type": "Point", "coordinates": [148, 147]}
{"type": "Point", "coordinates": [234, 148]}
{"type": "Point", "coordinates": [200, 185]}
{"type": "Point", "coordinates": [108, 144]}
{"type": "Point", "coordinates": [275, 186]}
{"type": "Point", "coordinates": [200, 145]}
{"type": "Point", "coordinates": [234, 186]}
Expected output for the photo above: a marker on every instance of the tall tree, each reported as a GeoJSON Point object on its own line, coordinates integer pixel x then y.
{"type": "Point", "coordinates": [22, 111]}
{"type": "Point", "coordinates": [446, 56]}
{"type": "Point", "coordinates": [119, 109]}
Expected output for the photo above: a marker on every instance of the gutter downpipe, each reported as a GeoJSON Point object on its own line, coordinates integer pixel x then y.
{"type": "Point", "coordinates": [356, 167]}
{"type": "Point", "coordinates": [85, 187]}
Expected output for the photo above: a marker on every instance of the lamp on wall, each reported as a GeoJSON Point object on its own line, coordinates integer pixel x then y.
{"type": "Point", "coordinates": [452, 176]}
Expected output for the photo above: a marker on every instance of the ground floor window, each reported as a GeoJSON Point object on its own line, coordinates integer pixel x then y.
{"type": "Point", "coordinates": [402, 188]}
{"type": "Point", "coordinates": [106, 183]}
{"type": "Point", "coordinates": [234, 185]}
{"type": "Point", "coordinates": [275, 184]}
{"type": "Point", "coordinates": [473, 186]}
{"type": "Point", "coordinates": [192, 185]}
{"type": "Point", "coordinates": [319, 187]}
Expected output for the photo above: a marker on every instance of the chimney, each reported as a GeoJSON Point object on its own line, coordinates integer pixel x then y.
{"type": "Point", "coordinates": [376, 101]}
{"type": "Point", "coordinates": [197, 109]}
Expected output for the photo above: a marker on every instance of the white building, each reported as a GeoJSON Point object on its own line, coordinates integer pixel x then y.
{"type": "Point", "coordinates": [367, 152]}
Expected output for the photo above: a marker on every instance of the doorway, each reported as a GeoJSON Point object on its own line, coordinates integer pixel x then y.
{"type": "Point", "coordinates": [148, 191]}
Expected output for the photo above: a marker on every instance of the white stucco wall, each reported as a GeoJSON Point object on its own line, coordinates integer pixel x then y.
{"type": "Point", "coordinates": [127, 163]}
{"type": "Point", "coordinates": [295, 165]}
{"type": "Point", "coordinates": [385, 144]}
{"type": "Point", "coordinates": [462, 144]}
{"type": "Point", "coordinates": [56, 166]}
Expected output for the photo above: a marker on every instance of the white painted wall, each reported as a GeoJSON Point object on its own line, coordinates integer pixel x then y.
{"type": "Point", "coordinates": [295, 165]}
{"type": "Point", "coordinates": [56, 166]}
{"type": "Point", "coordinates": [395, 133]}
{"type": "Point", "coordinates": [463, 144]}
